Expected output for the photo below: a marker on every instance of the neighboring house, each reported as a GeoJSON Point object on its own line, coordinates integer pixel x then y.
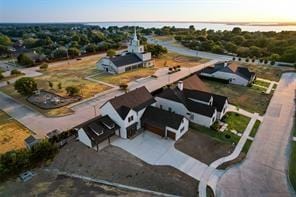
{"type": "Point", "coordinates": [134, 58]}
{"type": "Point", "coordinates": [96, 133]}
{"type": "Point", "coordinates": [126, 110]}
{"type": "Point", "coordinates": [31, 141]}
{"type": "Point", "coordinates": [164, 123]}
{"type": "Point", "coordinates": [199, 107]}
{"type": "Point", "coordinates": [230, 72]}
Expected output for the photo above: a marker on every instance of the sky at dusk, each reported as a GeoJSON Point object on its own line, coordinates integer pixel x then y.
{"type": "Point", "coordinates": [147, 10]}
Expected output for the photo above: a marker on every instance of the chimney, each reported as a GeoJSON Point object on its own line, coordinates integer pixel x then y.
{"type": "Point", "coordinates": [225, 64]}
{"type": "Point", "coordinates": [180, 85]}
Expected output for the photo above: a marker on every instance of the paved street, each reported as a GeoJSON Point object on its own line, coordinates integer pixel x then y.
{"type": "Point", "coordinates": [264, 171]}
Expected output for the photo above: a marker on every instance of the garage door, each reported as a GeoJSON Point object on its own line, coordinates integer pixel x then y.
{"type": "Point", "coordinates": [171, 135]}
{"type": "Point", "coordinates": [155, 130]}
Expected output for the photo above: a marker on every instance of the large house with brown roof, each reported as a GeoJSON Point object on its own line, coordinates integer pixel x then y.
{"type": "Point", "coordinates": [136, 110]}
{"type": "Point", "coordinates": [230, 72]}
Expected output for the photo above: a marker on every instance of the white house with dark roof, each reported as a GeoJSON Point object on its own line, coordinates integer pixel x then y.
{"type": "Point", "coordinates": [230, 72]}
{"type": "Point", "coordinates": [199, 107]}
{"type": "Point", "coordinates": [134, 58]}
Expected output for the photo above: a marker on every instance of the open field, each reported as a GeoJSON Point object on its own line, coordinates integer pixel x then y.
{"type": "Point", "coordinates": [12, 133]}
{"type": "Point", "coordinates": [266, 71]}
{"type": "Point", "coordinates": [236, 121]}
{"type": "Point", "coordinates": [116, 165]}
{"type": "Point", "coordinates": [247, 98]}
{"type": "Point", "coordinates": [173, 59]}
{"type": "Point", "coordinates": [72, 74]}
{"type": "Point", "coordinates": [125, 77]}
{"type": "Point", "coordinates": [196, 144]}
{"type": "Point", "coordinates": [51, 184]}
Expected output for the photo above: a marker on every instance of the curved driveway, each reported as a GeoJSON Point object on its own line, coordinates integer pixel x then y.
{"type": "Point", "coordinates": [264, 171]}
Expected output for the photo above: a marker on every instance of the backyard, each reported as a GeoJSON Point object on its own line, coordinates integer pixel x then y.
{"type": "Point", "coordinates": [195, 144]}
{"type": "Point", "coordinates": [250, 99]}
{"type": "Point", "coordinates": [236, 121]}
{"type": "Point", "coordinates": [12, 133]}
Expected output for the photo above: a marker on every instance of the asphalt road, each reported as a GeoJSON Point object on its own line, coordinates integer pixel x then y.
{"type": "Point", "coordinates": [264, 171]}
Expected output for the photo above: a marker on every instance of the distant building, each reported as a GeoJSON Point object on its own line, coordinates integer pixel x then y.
{"type": "Point", "coordinates": [230, 72]}
{"type": "Point", "coordinates": [134, 58]}
{"type": "Point", "coordinates": [31, 141]}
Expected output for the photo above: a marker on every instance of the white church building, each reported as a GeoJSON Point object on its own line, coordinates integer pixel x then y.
{"type": "Point", "coordinates": [134, 58]}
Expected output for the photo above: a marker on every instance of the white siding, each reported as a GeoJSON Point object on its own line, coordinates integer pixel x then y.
{"type": "Point", "coordinates": [84, 138]}
{"type": "Point", "coordinates": [180, 109]}
{"type": "Point", "coordinates": [179, 134]}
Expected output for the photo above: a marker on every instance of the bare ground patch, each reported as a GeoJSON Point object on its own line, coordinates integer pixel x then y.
{"type": "Point", "coordinates": [116, 165]}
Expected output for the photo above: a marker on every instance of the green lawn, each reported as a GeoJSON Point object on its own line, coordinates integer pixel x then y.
{"type": "Point", "coordinates": [247, 146]}
{"type": "Point", "coordinates": [236, 121]}
{"type": "Point", "coordinates": [250, 99]}
{"type": "Point", "coordinates": [255, 128]}
{"type": "Point", "coordinates": [262, 83]}
{"type": "Point", "coordinates": [225, 136]}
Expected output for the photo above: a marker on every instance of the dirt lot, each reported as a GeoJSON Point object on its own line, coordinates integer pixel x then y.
{"type": "Point", "coordinates": [203, 147]}
{"type": "Point", "coordinates": [12, 133]}
{"type": "Point", "coordinates": [50, 184]}
{"type": "Point", "coordinates": [116, 165]}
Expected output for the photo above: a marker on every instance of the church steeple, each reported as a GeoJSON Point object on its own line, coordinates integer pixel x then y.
{"type": "Point", "coordinates": [135, 35]}
{"type": "Point", "coordinates": [134, 45]}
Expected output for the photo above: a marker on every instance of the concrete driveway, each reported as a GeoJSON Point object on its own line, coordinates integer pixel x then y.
{"type": "Point", "coordinates": [264, 171]}
{"type": "Point", "coordinates": [155, 150]}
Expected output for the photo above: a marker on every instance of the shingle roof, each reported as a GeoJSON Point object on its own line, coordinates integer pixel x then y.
{"type": "Point", "coordinates": [124, 60]}
{"type": "Point", "coordinates": [183, 97]}
{"type": "Point", "coordinates": [137, 100]}
{"type": "Point", "coordinates": [194, 83]}
{"type": "Point", "coordinates": [219, 102]}
{"type": "Point", "coordinates": [245, 73]}
{"type": "Point", "coordinates": [161, 118]}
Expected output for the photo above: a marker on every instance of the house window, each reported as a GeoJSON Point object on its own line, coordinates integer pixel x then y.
{"type": "Point", "coordinates": [131, 118]}
{"type": "Point", "coordinates": [213, 119]}
{"type": "Point", "coordinates": [182, 130]}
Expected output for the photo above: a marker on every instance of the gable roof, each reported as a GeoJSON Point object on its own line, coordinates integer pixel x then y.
{"type": "Point", "coordinates": [245, 73]}
{"type": "Point", "coordinates": [161, 118]}
{"type": "Point", "coordinates": [137, 100]}
{"type": "Point", "coordinates": [184, 96]}
{"type": "Point", "coordinates": [194, 83]}
{"type": "Point", "coordinates": [124, 60]}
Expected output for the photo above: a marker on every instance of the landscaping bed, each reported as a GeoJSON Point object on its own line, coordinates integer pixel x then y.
{"type": "Point", "coordinates": [116, 165]}
{"type": "Point", "coordinates": [262, 83]}
{"type": "Point", "coordinates": [247, 146]}
{"type": "Point", "coordinates": [12, 133]}
{"type": "Point", "coordinates": [247, 98]}
{"type": "Point", "coordinates": [255, 128]}
{"type": "Point", "coordinates": [196, 144]}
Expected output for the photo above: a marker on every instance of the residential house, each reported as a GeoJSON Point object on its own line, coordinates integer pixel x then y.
{"type": "Point", "coordinates": [199, 107]}
{"type": "Point", "coordinates": [31, 141]}
{"type": "Point", "coordinates": [134, 58]}
{"type": "Point", "coordinates": [229, 72]}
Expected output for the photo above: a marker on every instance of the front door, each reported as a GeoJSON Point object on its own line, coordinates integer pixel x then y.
{"type": "Point", "coordinates": [131, 130]}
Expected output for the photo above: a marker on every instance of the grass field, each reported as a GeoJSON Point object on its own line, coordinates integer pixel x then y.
{"type": "Point", "coordinates": [247, 146]}
{"type": "Point", "coordinates": [247, 98]}
{"type": "Point", "coordinates": [236, 121]}
{"type": "Point", "coordinates": [12, 133]}
{"type": "Point", "coordinates": [265, 71]}
{"type": "Point", "coordinates": [125, 77]}
{"type": "Point", "coordinates": [255, 128]}
{"type": "Point", "coordinates": [72, 74]}
{"type": "Point", "coordinates": [292, 166]}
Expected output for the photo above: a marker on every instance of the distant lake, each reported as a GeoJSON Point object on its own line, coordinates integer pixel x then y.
{"type": "Point", "coordinates": [213, 26]}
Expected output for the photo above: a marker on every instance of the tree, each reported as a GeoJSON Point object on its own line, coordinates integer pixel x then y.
{"type": "Point", "coordinates": [274, 57]}
{"type": "Point", "coordinates": [4, 40]}
{"type": "Point", "coordinates": [191, 28]}
{"type": "Point", "coordinates": [91, 48]}
{"type": "Point", "coordinates": [111, 53]}
{"type": "Point", "coordinates": [231, 47]}
{"type": "Point", "coordinates": [156, 50]}
{"type": "Point", "coordinates": [60, 53]}
{"type": "Point", "coordinates": [1, 76]}
{"type": "Point", "coordinates": [73, 52]}
{"type": "Point", "coordinates": [254, 51]}
{"type": "Point", "coordinates": [238, 40]}
{"type": "Point", "coordinates": [236, 30]}
{"type": "Point", "coordinates": [289, 55]}
{"type": "Point", "coordinates": [25, 86]}
{"type": "Point", "coordinates": [217, 49]}
{"type": "Point", "coordinates": [72, 90]}
{"type": "Point", "coordinates": [25, 60]}
{"type": "Point", "coordinates": [15, 72]}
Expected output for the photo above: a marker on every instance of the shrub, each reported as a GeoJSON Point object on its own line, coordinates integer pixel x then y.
{"type": "Point", "coordinates": [60, 86]}
{"type": "Point", "coordinates": [50, 84]}
{"type": "Point", "coordinates": [253, 60]}
{"type": "Point", "coordinates": [272, 62]}
{"type": "Point", "coordinates": [15, 72]}
{"type": "Point", "coordinates": [25, 86]}
{"type": "Point", "coordinates": [233, 58]}
{"type": "Point", "coordinates": [265, 61]}
{"type": "Point", "coordinates": [72, 90]}
{"type": "Point", "coordinates": [261, 60]}
{"type": "Point", "coordinates": [247, 59]}
{"type": "Point", "coordinates": [1, 76]}
{"type": "Point", "coordinates": [239, 59]}
{"type": "Point", "coordinates": [44, 67]}
{"type": "Point", "coordinates": [123, 86]}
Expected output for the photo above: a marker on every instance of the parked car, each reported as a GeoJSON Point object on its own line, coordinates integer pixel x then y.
{"type": "Point", "coordinates": [26, 176]}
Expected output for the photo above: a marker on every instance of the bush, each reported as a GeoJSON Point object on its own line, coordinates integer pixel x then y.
{"type": "Point", "coordinates": [239, 59]}
{"type": "Point", "coordinates": [72, 90]}
{"type": "Point", "coordinates": [265, 61]}
{"type": "Point", "coordinates": [233, 58]}
{"type": "Point", "coordinates": [44, 67]}
{"type": "Point", "coordinates": [272, 63]}
{"type": "Point", "coordinates": [111, 53]}
{"type": "Point", "coordinates": [1, 76]}
{"type": "Point", "coordinates": [247, 59]}
{"type": "Point", "coordinates": [25, 86]}
{"type": "Point", "coordinates": [15, 72]}
{"type": "Point", "coordinates": [25, 60]}
{"type": "Point", "coordinates": [123, 86]}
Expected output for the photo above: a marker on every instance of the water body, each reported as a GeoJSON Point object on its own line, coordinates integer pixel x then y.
{"type": "Point", "coordinates": [213, 26]}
